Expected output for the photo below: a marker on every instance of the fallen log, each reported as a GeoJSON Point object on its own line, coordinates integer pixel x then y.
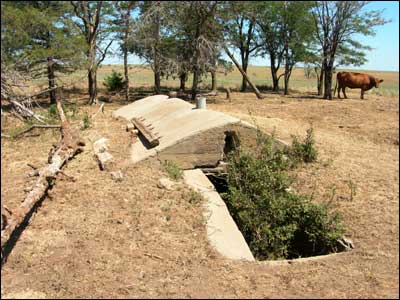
{"type": "Point", "coordinates": [69, 145]}
{"type": "Point", "coordinates": [255, 89]}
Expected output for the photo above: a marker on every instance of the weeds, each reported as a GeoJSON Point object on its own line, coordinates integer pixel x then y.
{"type": "Point", "coordinates": [87, 123]}
{"type": "Point", "coordinates": [352, 188]}
{"type": "Point", "coordinates": [194, 198]}
{"type": "Point", "coordinates": [173, 170]}
{"type": "Point", "coordinates": [305, 151]}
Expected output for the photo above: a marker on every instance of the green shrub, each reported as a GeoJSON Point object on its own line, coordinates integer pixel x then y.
{"type": "Point", "coordinates": [86, 121]}
{"type": "Point", "coordinates": [114, 82]}
{"type": "Point", "coordinates": [275, 222]}
{"type": "Point", "coordinates": [52, 111]}
{"type": "Point", "coordinates": [173, 170]}
{"type": "Point", "coordinates": [305, 151]}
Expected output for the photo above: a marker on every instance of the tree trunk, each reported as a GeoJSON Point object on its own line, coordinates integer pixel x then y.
{"type": "Point", "coordinates": [195, 83]}
{"type": "Point", "coordinates": [244, 81]}
{"type": "Point", "coordinates": [320, 81]}
{"type": "Point", "coordinates": [126, 74]}
{"type": "Point", "coordinates": [157, 82]}
{"type": "Point", "coordinates": [286, 84]}
{"type": "Point", "coordinates": [256, 91]}
{"type": "Point", "coordinates": [92, 80]}
{"type": "Point", "coordinates": [287, 71]}
{"type": "Point", "coordinates": [51, 77]}
{"type": "Point", "coordinates": [157, 77]}
{"type": "Point", "coordinates": [328, 82]}
{"type": "Point", "coordinates": [275, 79]}
{"type": "Point", "coordinates": [214, 81]}
{"type": "Point", "coordinates": [182, 78]}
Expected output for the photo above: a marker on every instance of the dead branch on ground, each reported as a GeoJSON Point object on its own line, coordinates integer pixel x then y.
{"type": "Point", "coordinates": [69, 145]}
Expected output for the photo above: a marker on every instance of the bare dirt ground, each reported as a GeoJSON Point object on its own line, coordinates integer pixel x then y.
{"type": "Point", "coordinates": [98, 238]}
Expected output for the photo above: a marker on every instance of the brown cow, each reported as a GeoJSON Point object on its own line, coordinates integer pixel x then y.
{"type": "Point", "coordinates": [351, 80]}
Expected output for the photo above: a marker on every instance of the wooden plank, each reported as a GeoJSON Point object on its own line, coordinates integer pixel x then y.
{"type": "Point", "coordinates": [147, 133]}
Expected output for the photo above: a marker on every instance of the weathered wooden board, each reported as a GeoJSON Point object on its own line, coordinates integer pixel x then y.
{"type": "Point", "coordinates": [146, 131]}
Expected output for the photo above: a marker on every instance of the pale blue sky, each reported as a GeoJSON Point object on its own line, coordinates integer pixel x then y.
{"type": "Point", "coordinates": [383, 57]}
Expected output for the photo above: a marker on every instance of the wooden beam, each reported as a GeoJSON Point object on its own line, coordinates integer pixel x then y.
{"type": "Point", "coordinates": [146, 132]}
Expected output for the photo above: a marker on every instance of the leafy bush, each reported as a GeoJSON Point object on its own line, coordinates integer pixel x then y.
{"type": "Point", "coordinates": [305, 151]}
{"type": "Point", "coordinates": [173, 170]}
{"type": "Point", "coordinates": [114, 82]}
{"type": "Point", "coordinates": [275, 222]}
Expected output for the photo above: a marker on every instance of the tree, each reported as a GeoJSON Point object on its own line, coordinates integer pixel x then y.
{"type": "Point", "coordinates": [297, 32]}
{"type": "Point", "coordinates": [336, 24]}
{"type": "Point", "coordinates": [150, 41]}
{"type": "Point", "coordinates": [123, 26]}
{"type": "Point", "coordinates": [241, 32]}
{"type": "Point", "coordinates": [272, 35]}
{"type": "Point", "coordinates": [38, 37]}
{"type": "Point", "coordinates": [92, 21]}
{"type": "Point", "coordinates": [204, 35]}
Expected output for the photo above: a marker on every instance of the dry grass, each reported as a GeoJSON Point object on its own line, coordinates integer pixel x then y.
{"type": "Point", "coordinates": [141, 76]}
{"type": "Point", "coordinates": [97, 238]}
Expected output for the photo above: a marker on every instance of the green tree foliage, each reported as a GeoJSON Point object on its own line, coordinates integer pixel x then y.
{"type": "Point", "coordinates": [271, 34]}
{"type": "Point", "coordinates": [297, 27]}
{"type": "Point", "coordinates": [241, 31]}
{"type": "Point", "coordinates": [38, 37]}
{"type": "Point", "coordinates": [151, 41]}
{"type": "Point", "coordinates": [286, 31]}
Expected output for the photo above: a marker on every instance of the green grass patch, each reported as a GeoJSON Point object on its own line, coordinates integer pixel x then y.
{"type": "Point", "coordinates": [173, 170]}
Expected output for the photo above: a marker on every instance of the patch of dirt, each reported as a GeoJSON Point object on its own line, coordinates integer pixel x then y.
{"type": "Point", "coordinates": [101, 238]}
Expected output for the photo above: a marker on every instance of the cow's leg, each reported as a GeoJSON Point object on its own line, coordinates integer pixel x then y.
{"type": "Point", "coordinates": [344, 92]}
{"type": "Point", "coordinates": [338, 92]}
{"type": "Point", "coordinates": [362, 94]}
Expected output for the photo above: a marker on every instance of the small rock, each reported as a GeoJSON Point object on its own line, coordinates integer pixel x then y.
{"type": "Point", "coordinates": [100, 150]}
{"type": "Point", "coordinates": [117, 175]}
{"type": "Point", "coordinates": [100, 145]}
{"type": "Point", "coordinates": [103, 158]}
{"type": "Point", "coordinates": [165, 183]}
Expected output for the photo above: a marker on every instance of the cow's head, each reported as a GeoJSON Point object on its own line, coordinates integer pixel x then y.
{"type": "Point", "coordinates": [377, 81]}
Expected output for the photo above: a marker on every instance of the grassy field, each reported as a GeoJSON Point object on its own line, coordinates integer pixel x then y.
{"type": "Point", "coordinates": [143, 77]}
